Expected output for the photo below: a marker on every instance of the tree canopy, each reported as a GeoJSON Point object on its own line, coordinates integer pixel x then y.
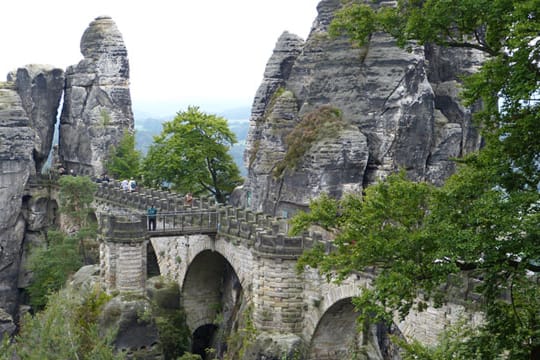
{"type": "Point", "coordinates": [192, 155]}
{"type": "Point", "coordinates": [486, 216]}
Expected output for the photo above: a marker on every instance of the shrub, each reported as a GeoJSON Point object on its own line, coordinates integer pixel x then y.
{"type": "Point", "coordinates": [324, 122]}
{"type": "Point", "coordinates": [51, 266]}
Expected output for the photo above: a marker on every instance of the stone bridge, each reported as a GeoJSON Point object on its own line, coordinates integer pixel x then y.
{"type": "Point", "coordinates": [227, 259]}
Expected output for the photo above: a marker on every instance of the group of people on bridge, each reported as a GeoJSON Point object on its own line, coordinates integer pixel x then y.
{"type": "Point", "coordinates": [129, 185]}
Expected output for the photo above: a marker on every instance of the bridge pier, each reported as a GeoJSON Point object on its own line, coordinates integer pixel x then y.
{"type": "Point", "coordinates": [122, 252]}
{"type": "Point", "coordinates": [277, 296]}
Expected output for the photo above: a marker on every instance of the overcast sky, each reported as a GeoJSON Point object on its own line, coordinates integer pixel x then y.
{"type": "Point", "coordinates": [209, 53]}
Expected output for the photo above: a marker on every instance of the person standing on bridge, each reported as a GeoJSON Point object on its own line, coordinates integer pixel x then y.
{"type": "Point", "coordinates": [188, 199]}
{"type": "Point", "coordinates": [151, 212]}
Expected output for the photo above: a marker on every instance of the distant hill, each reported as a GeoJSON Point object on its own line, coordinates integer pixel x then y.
{"type": "Point", "coordinates": [147, 127]}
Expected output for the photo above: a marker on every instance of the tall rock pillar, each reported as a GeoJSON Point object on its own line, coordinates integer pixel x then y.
{"type": "Point", "coordinates": [97, 103]}
{"type": "Point", "coordinates": [40, 88]}
{"type": "Point", "coordinates": [16, 166]}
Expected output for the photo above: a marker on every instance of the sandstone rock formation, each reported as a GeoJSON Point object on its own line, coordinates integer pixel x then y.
{"type": "Point", "coordinates": [96, 114]}
{"type": "Point", "coordinates": [97, 102]}
{"type": "Point", "coordinates": [40, 88]}
{"type": "Point", "coordinates": [17, 141]}
{"type": "Point", "coordinates": [399, 109]}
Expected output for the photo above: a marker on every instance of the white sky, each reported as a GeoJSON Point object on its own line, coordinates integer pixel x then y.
{"type": "Point", "coordinates": [194, 52]}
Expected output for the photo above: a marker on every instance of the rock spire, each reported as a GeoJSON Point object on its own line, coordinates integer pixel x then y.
{"type": "Point", "coordinates": [97, 103]}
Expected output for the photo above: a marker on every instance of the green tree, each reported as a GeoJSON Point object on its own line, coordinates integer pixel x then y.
{"type": "Point", "coordinates": [76, 197]}
{"type": "Point", "coordinates": [192, 155]}
{"type": "Point", "coordinates": [51, 266]}
{"type": "Point", "coordinates": [486, 216]}
{"type": "Point", "coordinates": [416, 236]}
{"type": "Point", "coordinates": [124, 160]}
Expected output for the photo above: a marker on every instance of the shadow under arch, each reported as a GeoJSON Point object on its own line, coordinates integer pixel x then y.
{"type": "Point", "coordinates": [211, 298]}
{"type": "Point", "coordinates": [53, 213]}
{"type": "Point", "coordinates": [152, 265]}
{"type": "Point", "coordinates": [338, 335]}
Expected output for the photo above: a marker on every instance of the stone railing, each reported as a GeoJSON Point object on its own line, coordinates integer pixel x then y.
{"type": "Point", "coordinates": [8, 85]}
{"type": "Point", "coordinates": [165, 201]}
{"type": "Point", "coordinates": [266, 234]}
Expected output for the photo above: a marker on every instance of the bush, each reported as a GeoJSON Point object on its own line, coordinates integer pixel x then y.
{"type": "Point", "coordinates": [66, 329]}
{"type": "Point", "coordinates": [51, 267]}
{"type": "Point", "coordinates": [325, 122]}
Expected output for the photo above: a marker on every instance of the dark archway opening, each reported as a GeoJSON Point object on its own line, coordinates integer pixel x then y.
{"type": "Point", "coordinates": [90, 245]}
{"type": "Point", "coordinates": [339, 336]}
{"type": "Point", "coordinates": [152, 266]}
{"type": "Point", "coordinates": [53, 214]}
{"type": "Point", "coordinates": [213, 292]}
{"type": "Point", "coordinates": [203, 338]}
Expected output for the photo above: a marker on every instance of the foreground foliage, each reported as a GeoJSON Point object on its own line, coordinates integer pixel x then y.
{"type": "Point", "coordinates": [67, 329]}
{"type": "Point", "coordinates": [192, 155]}
{"type": "Point", "coordinates": [416, 236]}
{"type": "Point", "coordinates": [487, 216]}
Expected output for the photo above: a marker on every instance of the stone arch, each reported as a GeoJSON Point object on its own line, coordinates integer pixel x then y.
{"type": "Point", "coordinates": [182, 251]}
{"type": "Point", "coordinates": [335, 335]}
{"type": "Point", "coordinates": [339, 335]}
{"type": "Point", "coordinates": [91, 246]}
{"type": "Point", "coordinates": [211, 287]}
{"type": "Point", "coordinates": [325, 296]}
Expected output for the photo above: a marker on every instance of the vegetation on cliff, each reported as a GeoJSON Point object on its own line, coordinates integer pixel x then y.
{"type": "Point", "coordinates": [51, 267]}
{"type": "Point", "coordinates": [322, 123]}
{"type": "Point", "coordinates": [169, 318]}
{"type": "Point", "coordinates": [65, 252]}
{"type": "Point", "coordinates": [486, 216]}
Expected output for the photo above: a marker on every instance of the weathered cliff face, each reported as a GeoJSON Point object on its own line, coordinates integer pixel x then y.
{"type": "Point", "coordinates": [40, 88]}
{"type": "Point", "coordinates": [17, 141]}
{"type": "Point", "coordinates": [399, 109]}
{"type": "Point", "coordinates": [96, 114]}
{"type": "Point", "coordinates": [455, 134]}
{"type": "Point", "coordinates": [97, 102]}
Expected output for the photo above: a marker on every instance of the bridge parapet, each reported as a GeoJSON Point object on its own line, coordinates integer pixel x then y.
{"type": "Point", "coordinates": [164, 201]}
{"type": "Point", "coordinates": [267, 235]}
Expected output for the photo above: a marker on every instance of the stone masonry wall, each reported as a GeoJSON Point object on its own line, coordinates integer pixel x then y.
{"type": "Point", "coordinates": [123, 253]}
{"type": "Point", "coordinates": [263, 259]}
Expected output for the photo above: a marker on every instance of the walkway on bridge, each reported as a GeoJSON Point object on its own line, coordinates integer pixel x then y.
{"type": "Point", "coordinates": [206, 216]}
